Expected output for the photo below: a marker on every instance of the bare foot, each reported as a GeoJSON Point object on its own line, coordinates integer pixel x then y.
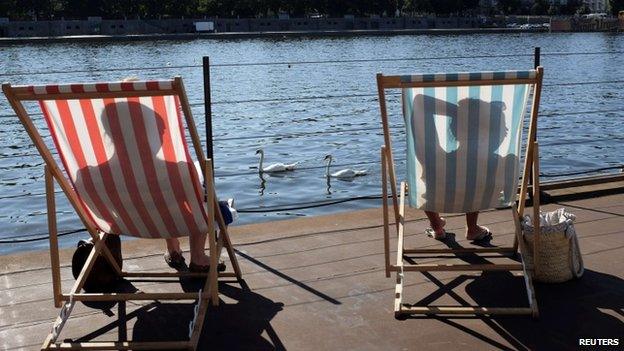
{"type": "Point", "coordinates": [202, 260]}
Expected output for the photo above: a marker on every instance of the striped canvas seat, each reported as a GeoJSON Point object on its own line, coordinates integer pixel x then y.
{"type": "Point", "coordinates": [464, 135]}
{"type": "Point", "coordinates": [127, 158]}
{"type": "Point", "coordinates": [126, 169]}
{"type": "Point", "coordinates": [463, 141]}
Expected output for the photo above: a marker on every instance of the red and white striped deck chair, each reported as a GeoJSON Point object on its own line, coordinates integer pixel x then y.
{"type": "Point", "coordinates": [127, 171]}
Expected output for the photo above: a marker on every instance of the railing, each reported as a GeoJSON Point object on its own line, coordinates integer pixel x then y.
{"type": "Point", "coordinates": [33, 160]}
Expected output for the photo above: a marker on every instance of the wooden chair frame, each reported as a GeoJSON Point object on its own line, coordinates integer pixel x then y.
{"type": "Point", "coordinates": [531, 163]}
{"type": "Point", "coordinates": [209, 293]}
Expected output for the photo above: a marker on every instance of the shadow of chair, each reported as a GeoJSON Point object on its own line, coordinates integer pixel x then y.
{"type": "Point", "coordinates": [590, 307]}
{"type": "Point", "coordinates": [235, 326]}
{"type": "Point", "coordinates": [232, 326]}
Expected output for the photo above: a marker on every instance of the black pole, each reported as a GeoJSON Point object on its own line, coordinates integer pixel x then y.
{"type": "Point", "coordinates": [208, 109]}
{"type": "Point", "coordinates": [536, 57]}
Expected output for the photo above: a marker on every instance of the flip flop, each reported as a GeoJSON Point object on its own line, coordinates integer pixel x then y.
{"type": "Point", "coordinates": [485, 234]}
{"type": "Point", "coordinates": [175, 260]}
{"type": "Point", "coordinates": [198, 268]}
{"type": "Point", "coordinates": [432, 234]}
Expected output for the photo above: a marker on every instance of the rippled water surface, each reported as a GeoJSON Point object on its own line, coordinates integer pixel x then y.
{"type": "Point", "coordinates": [308, 110]}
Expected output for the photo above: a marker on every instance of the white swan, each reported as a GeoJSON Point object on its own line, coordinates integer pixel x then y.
{"type": "Point", "coordinates": [275, 167]}
{"type": "Point", "coordinates": [342, 174]}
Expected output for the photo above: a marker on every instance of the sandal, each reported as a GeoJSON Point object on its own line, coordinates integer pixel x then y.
{"type": "Point", "coordinates": [198, 268]}
{"type": "Point", "coordinates": [485, 234]}
{"type": "Point", "coordinates": [175, 260]}
{"type": "Point", "coordinates": [432, 234]}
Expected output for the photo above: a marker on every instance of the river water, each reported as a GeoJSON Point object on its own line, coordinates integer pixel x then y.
{"type": "Point", "coordinates": [300, 111]}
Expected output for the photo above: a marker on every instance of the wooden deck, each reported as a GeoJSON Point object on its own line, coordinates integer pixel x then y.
{"type": "Point", "coordinates": [318, 284]}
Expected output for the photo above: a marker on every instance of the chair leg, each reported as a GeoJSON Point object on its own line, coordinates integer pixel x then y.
{"type": "Point", "coordinates": [384, 201]}
{"type": "Point", "coordinates": [67, 308]}
{"type": "Point", "coordinates": [224, 240]}
{"type": "Point", "coordinates": [526, 271]}
{"type": "Point", "coordinates": [400, 309]}
{"type": "Point", "coordinates": [398, 290]}
{"type": "Point", "coordinates": [53, 234]}
{"type": "Point", "coordinates": [202, 308]}
{"type": "Point", "coordinates": [232, 255]}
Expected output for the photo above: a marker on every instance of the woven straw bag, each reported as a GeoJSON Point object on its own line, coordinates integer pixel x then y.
{"type": "Point", "coordinates": [559, 256]}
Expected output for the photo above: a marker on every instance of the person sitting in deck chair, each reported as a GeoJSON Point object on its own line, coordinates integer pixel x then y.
{"type": "Point", "coordinates": [154, 131]}
{"type": "Point", "coordinates": [173, 256]}
{"type": "Point", "coordinates": [467, 147]}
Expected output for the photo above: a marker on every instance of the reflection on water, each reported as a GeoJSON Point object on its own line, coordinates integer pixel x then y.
{"type": "Point", "coordinates": [569, 142]}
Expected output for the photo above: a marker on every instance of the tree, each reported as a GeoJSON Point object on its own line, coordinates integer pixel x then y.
{"type": "Point", "coordinates": [446, 7]}
{"type": "Point", "coordinates": [39, 9]}
{"type": "Point", "coordinates": [616, 6]}
{"type": "Point", "coordinates": [539, 7]}
{"type": "Point", "coordinates": [509, 7]}
{"type": "Point", "coordinates": [570, 7]}
{"type": "Point", "coordinates": [583, 9]}
{"type": "Point", "coordinates": [6, 7]}
{"type": "Point", "coordinates": [420, 6]}
{"type": "Point", "coordinates": [553, 10]}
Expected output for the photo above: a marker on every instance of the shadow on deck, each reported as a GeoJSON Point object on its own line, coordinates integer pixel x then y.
{"type": "Point", "coordinates": [318, 283]}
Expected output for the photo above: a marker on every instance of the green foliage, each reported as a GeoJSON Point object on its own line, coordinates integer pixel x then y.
{"type": "Point", "coordinates": [76, 9]}
{"type": "Point", "coordinates": [570, 7]}
{"type": "Point", "coordinates": [616, 6]}
{"type": "Point", "coordinates": [419, 6]}
{"type": "Point", "coordinates": [539, 7]}
{"type": "Point", "coordinates": [511, 7]}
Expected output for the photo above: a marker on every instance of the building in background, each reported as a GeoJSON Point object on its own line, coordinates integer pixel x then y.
{"type": "Point", "coordinates": [596, 6]}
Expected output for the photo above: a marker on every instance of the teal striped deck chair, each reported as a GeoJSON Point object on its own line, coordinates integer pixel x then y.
{"type": "Point", "coordinates": [464, 135]}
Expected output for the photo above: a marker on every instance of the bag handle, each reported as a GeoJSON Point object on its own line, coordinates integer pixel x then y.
{"type": "Point", "coordinates": [576, 259]}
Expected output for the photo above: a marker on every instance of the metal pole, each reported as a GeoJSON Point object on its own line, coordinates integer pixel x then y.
{"type": "Point", "coordinates": [208, 109]}
{"type": "Point", "coordinates": [536, 56]}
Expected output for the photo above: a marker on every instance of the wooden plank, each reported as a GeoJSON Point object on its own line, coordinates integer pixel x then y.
{"type": "Point", "coordinates": [505, 250]}
{"type": "Point", "coordinates": [28, 96]}
{"type": "Point", "coordinates": [536, 208]}
{"type": "Point", "coordinates": [55, 262]}
{"type": "Point", "coordinates": [393, 82]}
{"type": "Point", "coordinates": [174, 274]}
{"type": "Point", "coordinates": [528, 159]}
{"type": "Point", "coordinates": [211, 285]}
{"type": "Point", "coordinates": [464, 310]}
{"type": "Point", "coordinates": [398, 289]}
{"type": "Point", "coordinates": [384, 209]}
{"type": "Point", "coordinates": [86, 269]}
{"type": "Point", "coordinates": [462, 267]}
{"type": "Point", "coordinates": [211, 208]}
{"type": "Point", "coordinates": [132, 296]}
{"type": "Point", "coordinates": [388, 146]}
{"type": "Point", "coordinates": [126, 345]}
{"type": "Point", "coordinates": [224, 240]}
